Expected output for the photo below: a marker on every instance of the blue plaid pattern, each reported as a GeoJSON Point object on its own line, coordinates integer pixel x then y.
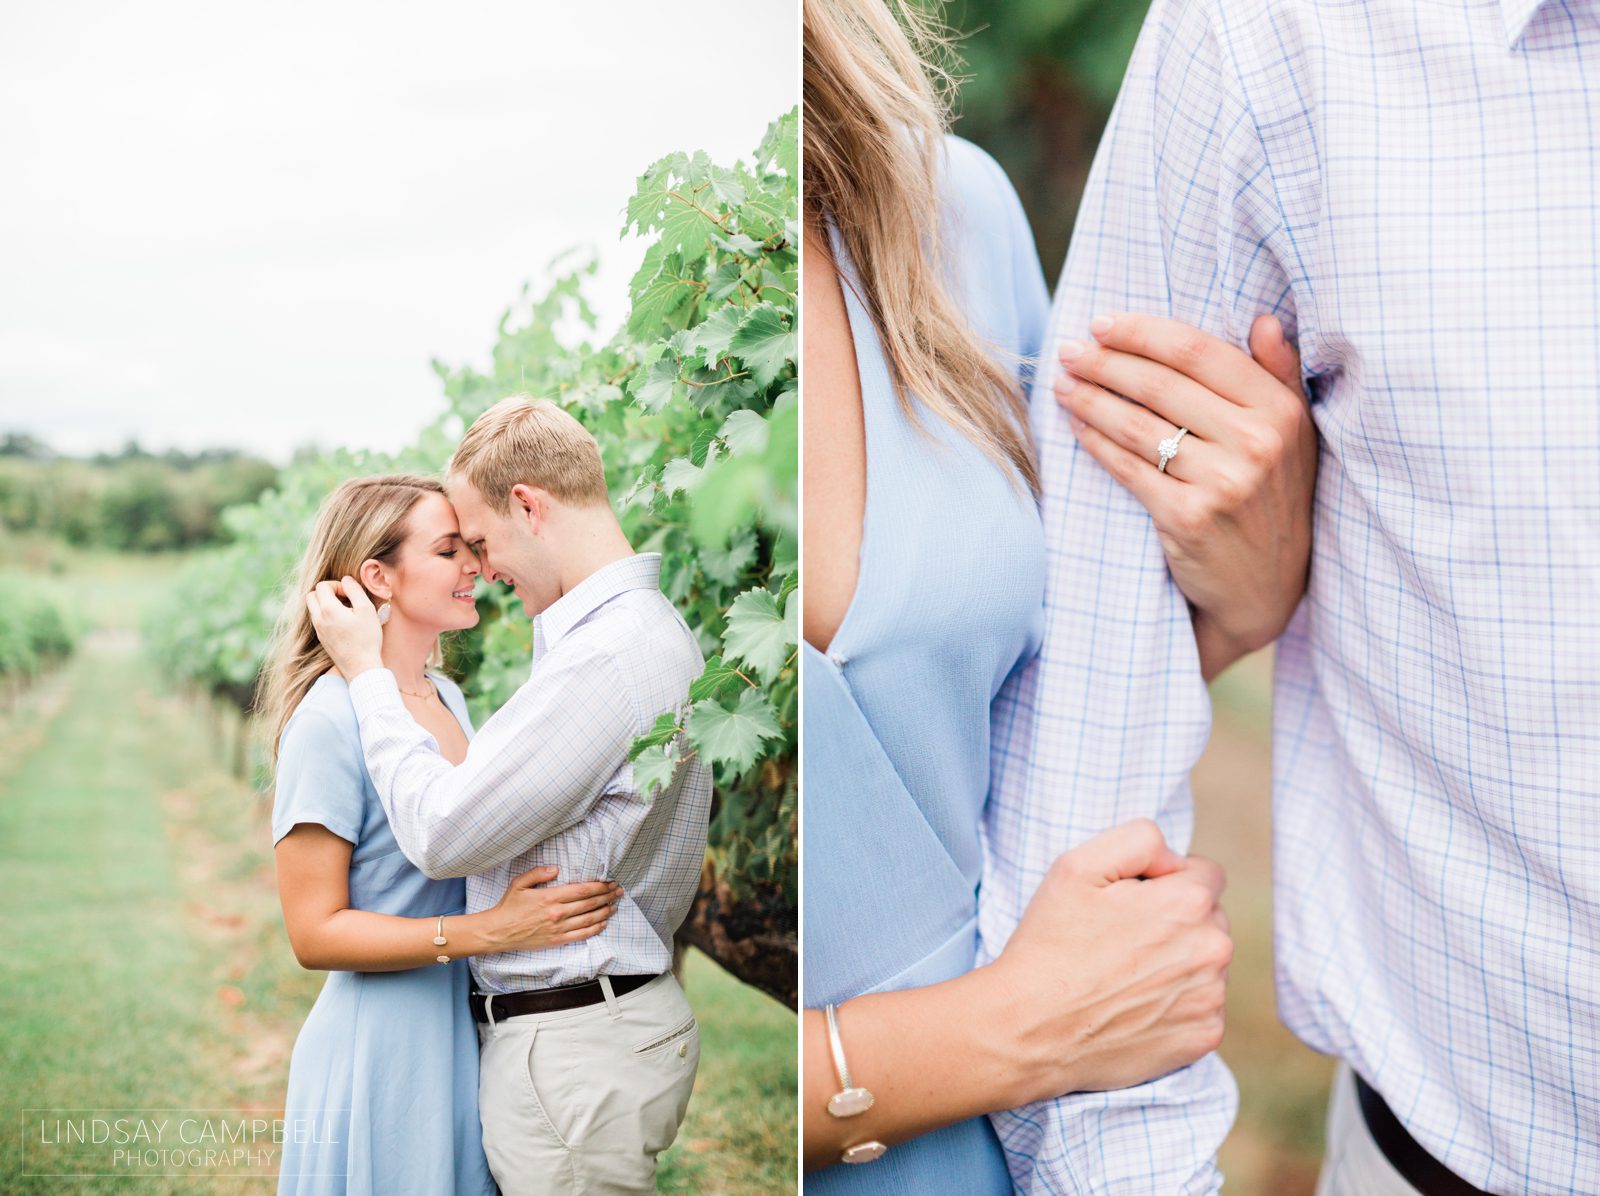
{"type": "Point", "coordinates": [547, 781]}
{"type": "Point", "coordinates": [1411, 186]}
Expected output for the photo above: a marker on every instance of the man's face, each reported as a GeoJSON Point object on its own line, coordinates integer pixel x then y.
{"type": "Point", "coordinates": [506, 547]}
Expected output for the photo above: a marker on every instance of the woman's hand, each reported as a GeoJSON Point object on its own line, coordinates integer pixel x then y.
{"type": "Point", "coordinates": [1107, 981]}
{"type": "Point", "coordinates": [531, 918]}
{"type": "Point", "coordinates": [1233, 509]}
{"type": "Point", "coordinates": [1113, 980]}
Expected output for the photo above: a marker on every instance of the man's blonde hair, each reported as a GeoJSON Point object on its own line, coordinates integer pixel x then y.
{"type": "Point", "coordinates": [530, 442]}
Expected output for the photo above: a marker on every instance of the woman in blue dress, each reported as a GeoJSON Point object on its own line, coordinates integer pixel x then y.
{"type": "Point", "coordinates": [383, 1082]}
{"type": "Point", "coordinates": [924, 577]}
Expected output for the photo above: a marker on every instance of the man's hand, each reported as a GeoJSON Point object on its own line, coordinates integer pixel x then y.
{"type": "Point", "coordinates": [347, 626]}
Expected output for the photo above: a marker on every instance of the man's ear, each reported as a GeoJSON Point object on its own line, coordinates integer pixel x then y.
{"type": "Point", "coordinates": [374, 579]}
{"type": "Point", "coordinates": [533, 502]}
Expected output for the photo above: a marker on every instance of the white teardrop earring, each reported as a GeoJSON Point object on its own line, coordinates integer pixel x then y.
{"type": "Point", "coordinates": [383, 614]}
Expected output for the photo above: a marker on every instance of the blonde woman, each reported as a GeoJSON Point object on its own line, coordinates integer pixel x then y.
{"type": "Point", "coordinates": [925, 592]}
{"type": "Point", "coordinates": [383, 1083]}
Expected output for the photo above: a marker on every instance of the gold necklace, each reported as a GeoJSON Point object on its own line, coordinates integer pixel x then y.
{"type": "Point", "coordinates": [427, 693]}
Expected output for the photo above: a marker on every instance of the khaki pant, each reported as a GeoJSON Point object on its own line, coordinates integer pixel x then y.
{"type": "Point", "coordinates": [1353, 1164]}
{"type": "Point", "coordinates": [582, 1101]}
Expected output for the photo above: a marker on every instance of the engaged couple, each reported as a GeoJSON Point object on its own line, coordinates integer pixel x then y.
{"type": "Point", "coordinates": [1013, 972]}
{"type": "Point", "coordinates": [496, 908]}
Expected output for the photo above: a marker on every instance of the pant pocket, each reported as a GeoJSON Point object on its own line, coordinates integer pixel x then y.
{"type": "Point", "coordinates": [542, 1072]}
{"type": "Point", "coordinates": [660, 1041]}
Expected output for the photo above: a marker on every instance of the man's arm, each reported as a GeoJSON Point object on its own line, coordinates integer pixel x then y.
{"type": "Point", "coordinates": [1180, 219]}
{"type": "Point", "coordinates": [535, 768]}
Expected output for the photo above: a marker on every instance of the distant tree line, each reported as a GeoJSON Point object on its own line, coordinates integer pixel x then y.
{"type": "Point", "coordinates": [130, 501]}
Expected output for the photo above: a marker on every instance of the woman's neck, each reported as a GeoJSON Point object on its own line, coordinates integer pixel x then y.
{"type": "Point", "coordinates": [406, 648]}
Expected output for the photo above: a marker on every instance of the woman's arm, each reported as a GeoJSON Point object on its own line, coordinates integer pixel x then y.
{"type": "Point", "coordinates": [327, 935]}
{"type": "Point", "coordinates": [1233, 509]}
{"type": "Point", "coordinates": [1109, 980]}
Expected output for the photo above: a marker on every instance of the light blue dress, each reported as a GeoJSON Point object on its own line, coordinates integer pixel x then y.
{"type": "Point", "coordinates": [383, 1083]}
{"type": "Point", "coordinates": [948, 602]}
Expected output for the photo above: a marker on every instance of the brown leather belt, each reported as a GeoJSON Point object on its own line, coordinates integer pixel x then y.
{"type": "Point", "coordinates": [551, 1000]}
{"type": "Point", "coordinates": [1419, 1168]}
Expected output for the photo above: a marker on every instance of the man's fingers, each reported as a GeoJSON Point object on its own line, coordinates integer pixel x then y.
{"type": "Point", "coordinates": [1275, 354]}
{"type": "Point", "coordinates": [356, 596]}
{"type": "Point", "coordinates": [327, 593]}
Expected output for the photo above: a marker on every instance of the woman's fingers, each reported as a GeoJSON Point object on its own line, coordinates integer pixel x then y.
{"type": "Point", "coordinates": [1214, 364]}
{"type": "Point", "coordinates": [593, 917]}
{"type": "Point", "coordinates": [1137, 476]}
{"type": "Point", "coordinates": [580, 890]}
{"type": "Point", "coordinates": [568, 908]}
{"type": "Point", "coordinates": [1171, 396]}
{"type": "Point", "coordinates": [1133, 429]}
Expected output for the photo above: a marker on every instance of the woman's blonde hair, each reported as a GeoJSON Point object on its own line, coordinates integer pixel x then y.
{"type": "Point", "coordinates": [364, 519]}
{"type": "Point", "coordinates": [876, 111]}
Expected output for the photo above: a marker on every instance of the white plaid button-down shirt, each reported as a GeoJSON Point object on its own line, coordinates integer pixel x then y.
{"type": "Point", "coordinates": [1413, 184]}
{"type": "Point", "coordinates": [547, 781]}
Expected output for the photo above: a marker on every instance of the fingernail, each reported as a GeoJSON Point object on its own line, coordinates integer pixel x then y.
{"type": "Point", "coordinates": [1101, 325]}
{"type": "Point", "coordinates": [1071, 349]}
{"type": "Point", "coordinates": [1077, 424]}
{"type": "Point", "coordinates": [1065, 382]}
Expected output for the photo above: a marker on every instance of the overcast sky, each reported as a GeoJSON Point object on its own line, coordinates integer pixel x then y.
{"type": "Point", "coordinates": [253, 224]}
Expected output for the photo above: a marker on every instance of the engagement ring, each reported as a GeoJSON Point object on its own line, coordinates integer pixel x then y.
{"type": "Point", "coordinates": [1168, 449]}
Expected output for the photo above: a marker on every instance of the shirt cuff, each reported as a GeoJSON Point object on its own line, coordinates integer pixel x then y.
{"type": "Point", "coordinates": [373, 691]}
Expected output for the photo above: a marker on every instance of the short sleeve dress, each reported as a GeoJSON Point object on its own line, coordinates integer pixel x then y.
{"type": "Point", "coordinates": [383, 1082]}
{"type": "Point", "coordinates": [949, 600]}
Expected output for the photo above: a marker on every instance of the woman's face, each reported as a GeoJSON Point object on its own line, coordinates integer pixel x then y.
{"type": "Point", "coordinates": [434, 573]}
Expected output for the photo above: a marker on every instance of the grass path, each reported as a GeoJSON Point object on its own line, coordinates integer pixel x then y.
{"type": "Point", "coordinates": [98, 985]}
{"type": "Point", "coordinates": [147, 966]}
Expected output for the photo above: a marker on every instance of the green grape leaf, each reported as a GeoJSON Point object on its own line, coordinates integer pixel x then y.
{"type": "Point", "coordinates": [717, 681]}
{"type": "Point", "coordinates": [764, 344]}
{"type": "Point", "coordinates": [662, 297]}
{"type": "Point", "coordinates": [654, 767]}
{"type": "Point", "coordinates": [725, 185]}
{"type": "Point", "coordinates": [744, 432]}
{"type": "Point", "coordinates": [653, 390]}
{"type": "Point", "coordinates": [733, 737]}
{"type": "Point", "coordinates": [664, 730]}
{"type": "Point", "coordinates": [740, 244]}
{"type": "Point", "coordinates": [756, 632]}
{"type": "Point", "coordinates": [715, 333]}
{"type": "Point", "coordinates": [687, 225]}
{"type": "Point", "coordinates": [681, 474]}
{"type": "Point", "coordinates": [726, 565]}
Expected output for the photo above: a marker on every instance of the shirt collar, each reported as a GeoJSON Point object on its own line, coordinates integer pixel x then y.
{"type": "Point", "coordinates": [1515, 15]}
{"type": "Point", "coordinates": [642, 571]}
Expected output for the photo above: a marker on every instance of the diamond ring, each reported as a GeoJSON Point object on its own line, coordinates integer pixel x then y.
{"type": "Point", "coordinates": [1168, 449]}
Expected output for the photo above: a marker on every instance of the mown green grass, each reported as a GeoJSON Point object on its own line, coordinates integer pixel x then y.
{"type": "Point", "coordinates": [99, 1001]}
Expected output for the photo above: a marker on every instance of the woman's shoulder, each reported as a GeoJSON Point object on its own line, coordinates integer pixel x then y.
{"type": "Point", "coordinates": [991, 249]}
{"type": "Point", "coordinates": [978, 197]}
{"type": "Point", "coordinates": [324, 715]}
